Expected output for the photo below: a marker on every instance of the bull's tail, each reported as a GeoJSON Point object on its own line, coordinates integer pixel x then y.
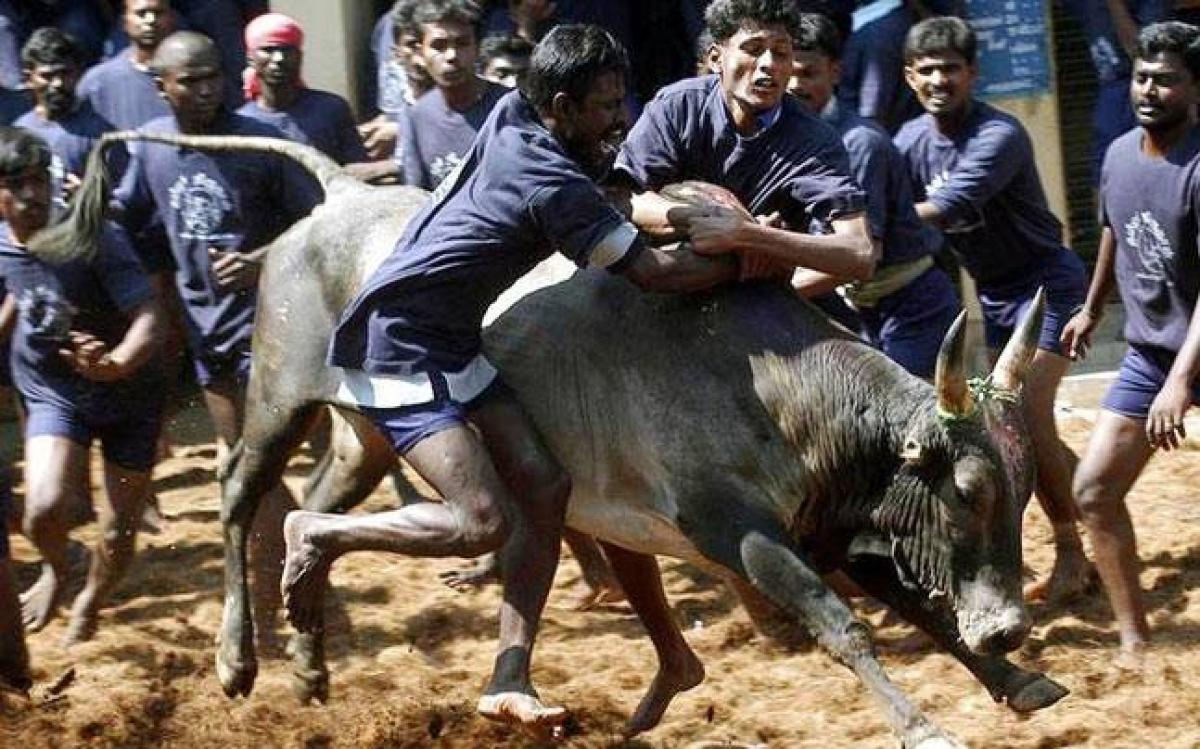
{"type": "Point", "coordinates": [78, 234]}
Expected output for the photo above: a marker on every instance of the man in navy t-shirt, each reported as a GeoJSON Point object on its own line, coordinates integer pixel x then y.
{"type": "Point", "coordinates": [1150, 248]}
{"type": "Point", "coordinates": [52, 64]}
{"type": "Point", "coordinates": [87, 329]}
{"type": "Point", "coordinates": [277, 96]}
{"type": "Point", "coordinates": [122, 90]}
{"type": "Point", "coordinates": [440, 127]}
{"type": "Point", "coordinates": [975, 178]}
{"type": "Point", "coordinates": [409, 346]}
{"type": "Point", "coordinates": [219, 212]}
{"type": "Point", "coordinates": [737, 129]}
{"type": "Point", "coordinates": [909, 304]}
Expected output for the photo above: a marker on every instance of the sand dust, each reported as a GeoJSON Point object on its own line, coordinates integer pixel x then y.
{"type": "Point", "coordinates": [409, 656]}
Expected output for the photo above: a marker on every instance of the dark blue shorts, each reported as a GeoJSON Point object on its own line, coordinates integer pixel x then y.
{"type": "Point", "coordinates": [405, 426]}
{"type": "Point", "coordinates": [1143, 372]}
{"type": "Point", "coordinates": [233, 369]}
{"type": "Point", "coordinates": [910, 324]}
{"type": "Point", "coordinates": [128, 436]}
{"type": "Point", "coordinates": [1065, 280]}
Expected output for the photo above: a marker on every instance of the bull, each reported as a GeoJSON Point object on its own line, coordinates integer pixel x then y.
{"type": "Point", "coordinates": [736, 429]}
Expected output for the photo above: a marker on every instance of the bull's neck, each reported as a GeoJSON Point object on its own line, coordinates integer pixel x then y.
{"type": "Point", "coordinates": [848, 428]}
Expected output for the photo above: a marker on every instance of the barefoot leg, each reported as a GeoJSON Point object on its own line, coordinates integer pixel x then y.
{"type": "Point", "coordinates": [126, 490]}
{"type": "Point", "coordinates": [55, 472]}
{"type": "Point", "coordinates": [485, 571]}
{"type": "Point", "coordinates": [678, 667]}
{"type": "Point", "coordinates": [1055, 466]}
{"type": "Point", "coordinates": [602, 584]}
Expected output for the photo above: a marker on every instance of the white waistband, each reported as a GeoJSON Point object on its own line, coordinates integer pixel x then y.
{"type": "Point", "coordinates": [359, 388]}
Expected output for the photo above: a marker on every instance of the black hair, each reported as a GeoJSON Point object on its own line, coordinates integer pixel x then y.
{"type": "Point", "coordinates": [503, 45]}
{"type": "Point", "coordinates": [939, 35]}
{"type": "Point", "coordinates": [818, 34]}
{"type": "Point", "coordinates": [724, 18]}
{"type": "Point", "coordinates": [50, 46]}
{"type": "Point", "coordinates": [402, 18]}
{"type": "Point", "coordinates": [20, 151]}
{"type": "Point", "coordinates": [446, 11]}
{"type": "Point", "coordinates": [1171, 37]}
{"type": "Point", "coordinates": [569, 59]}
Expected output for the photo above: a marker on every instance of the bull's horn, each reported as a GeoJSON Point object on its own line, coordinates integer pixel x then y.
{"type": "Point", "coordinates": [953, 396]}
{"type": "Point", "coordinates": [1013, 363]}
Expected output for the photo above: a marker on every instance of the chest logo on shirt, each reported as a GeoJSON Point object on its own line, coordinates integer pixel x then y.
{"type": "Point", "coordinates": [202, 203]}
{"type": "Point", "coordinates": [1152, 247]}
{"type": "Point", "coordinates": [442, 166]}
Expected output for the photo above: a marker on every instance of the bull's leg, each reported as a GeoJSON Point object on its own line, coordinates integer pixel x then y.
{"type": "Point", "coordinates": [755, 546]}
{"type": "Point", "coordinates": [358, 458]}
{"type": "Point", "coordinates": [1023, 691]}
{"type": "Point", "coordinates": [678, 667]}
{"type": "Point", "coordinates": [255, 466]}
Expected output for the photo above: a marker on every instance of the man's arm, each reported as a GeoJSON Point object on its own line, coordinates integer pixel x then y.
{"type": "Point", "coordinates": [1076, 335]}
{"type": "Point", "coordinates": [1164, 423]}
{"type": "Point", "coordinates": [848, 253]}
{"type": "Point", "coordinates": [991, 160]}
{"type": "Point", "coordinates": [91, 358]}
{"type": "Point", "coordinates": [679, 269]}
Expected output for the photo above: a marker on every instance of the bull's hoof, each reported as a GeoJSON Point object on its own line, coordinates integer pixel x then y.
{"type": "Point", "coordinates": [236, 677]}
{"type": "Point", "coordinates": [1035, 692]}
{"type": "Point", "coordinates": [310, 685]}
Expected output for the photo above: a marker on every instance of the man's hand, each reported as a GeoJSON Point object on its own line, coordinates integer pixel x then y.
{"type": "Point", "coordinates": [379, 137]}
{"type": "Point", "coordinates": [1076, 337]}
{"type": "Point", "coordinates": [90, 358]}
{"type": "Point", "coordinates": [233, 271]}
{"type": "Point", "coordinates": [70, 184]}
{"type": "Point", "coordinates": [711, 229]}
{"type": "Point", "coordinates": [1164, 423]}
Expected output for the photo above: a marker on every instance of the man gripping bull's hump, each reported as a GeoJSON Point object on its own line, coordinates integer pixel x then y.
{"type": "Point", "coordinates": [410, 347]}
{"type": "Point", "coordinates": [735, 128]}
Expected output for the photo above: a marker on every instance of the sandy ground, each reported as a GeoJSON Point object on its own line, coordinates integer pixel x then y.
{"type": "Point", "coordinates": [409, 656]}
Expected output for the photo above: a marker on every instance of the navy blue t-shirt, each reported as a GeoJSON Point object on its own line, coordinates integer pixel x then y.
{"type": "Point", "coordinates": [122, 93]}
{"type": "Point", "coordinates": [1152, 206]}
{"type": "Point", "coordinates": [71, 139]}
{"type": "Point", "coordinates": [872, 82]}
{"type": "Point", "coordinates": [985, 182]}
{"type": "Point", "coordinates": [434, 138]}
{"type": "Point", "coordinates": [614, 16]}
{"type": "Point", "coordinates": [94, 297]}
{"type": "Point", "coordinates": [796, 165]}
{"type": "Point", "coordinates": [231, 201]}
{"type": "Point", "coordinates": [13, 104]}
{"type": "Point", "coordinates": [879, 170]}
{"type": "Point", "coordinates": [514, 200]}
{"type": "Point", "coordinates": [1108, 57]}
{"type": "Point", "coordinates": [318, 119]}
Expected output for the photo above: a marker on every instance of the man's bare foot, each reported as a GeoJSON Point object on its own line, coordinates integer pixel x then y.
{"type": "Point", "coordinates": [525, 712]}
{"type": "Point", "coordinates": [669, 682]}
{"type": "Point", "coordinates": [486, 571]}
{"type": "Point", "coordinates": [81, 628]}
{"type": "Point", "coordinates": [1133, 656]}
{"type": "Point", "coordinates": [153, 520]}
{"type": "Point", "coordinates": [592, 598]}
{"type": "Point", "coordinates": [1071, 577]}
{"type": "Point", "coordinates": [39, 602]}
{"type": "Point", "coordinates": [305, 573]}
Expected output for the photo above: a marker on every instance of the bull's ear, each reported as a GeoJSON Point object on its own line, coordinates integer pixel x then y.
{"type": "Point", "coordinates": [912, 453]}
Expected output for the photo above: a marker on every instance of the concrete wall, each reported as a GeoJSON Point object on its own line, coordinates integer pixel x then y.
{"type": "Point", "coordinates": [338, 36]}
